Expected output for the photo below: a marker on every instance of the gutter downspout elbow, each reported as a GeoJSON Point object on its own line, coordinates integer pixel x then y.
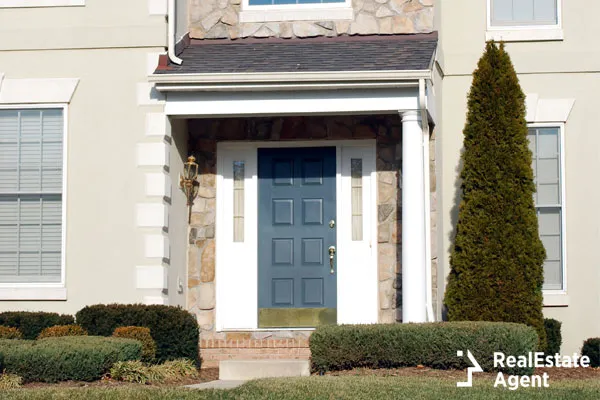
{"type": "Point", "coordinates": [426, 186]}
{"type": "Point", "coordinates": [171, 22]}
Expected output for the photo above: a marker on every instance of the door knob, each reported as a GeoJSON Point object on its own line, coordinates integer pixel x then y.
{"type": "Point", "coordinates": [331, 259]}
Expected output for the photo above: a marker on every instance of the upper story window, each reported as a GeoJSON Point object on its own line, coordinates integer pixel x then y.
{"type": "Point", "coordinates": [524, 20]}
{"type": "Point", "coordinates": [295, 10]}
{"type": "Point", "coordinates": [31, 196]}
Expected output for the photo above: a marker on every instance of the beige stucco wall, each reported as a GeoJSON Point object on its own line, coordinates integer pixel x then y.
{"type": "Point", "coordinates": [561, 69]}
{"type": "Point", "coordinates": [106, 45]}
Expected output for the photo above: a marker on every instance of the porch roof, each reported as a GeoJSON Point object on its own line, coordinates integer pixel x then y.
{"type": "Point", "coordinates": [348, 53]}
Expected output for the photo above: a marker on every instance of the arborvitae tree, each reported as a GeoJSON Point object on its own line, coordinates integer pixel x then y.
{"type": "Point", "coordinates": [496, 263]}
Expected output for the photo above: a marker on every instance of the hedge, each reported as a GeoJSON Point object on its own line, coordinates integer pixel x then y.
{"type": "Point", "coordinates": [553, 336]}
{"type": "Point", "coordinates": [432, 345]}
{"type": "Point", "coordinates": [77, 358]}
{"type": "Point", "coordinates": [8, 332]}
{"type": "Point", "coordinates": [591, 348]}
{"type": "Point", "coordinates": [174, 330]}
{"type": "Point", "coordinates": [32, 323]}
{"type": "Point", "coordinates": [143, 335]}
{"type": "Point", "coordinates": [62, 330]}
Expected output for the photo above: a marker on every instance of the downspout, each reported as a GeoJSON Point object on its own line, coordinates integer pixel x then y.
{"type": "Point", "coordinates": [426, 188]}
{"type": "Point", "coordinates": [171, 22]}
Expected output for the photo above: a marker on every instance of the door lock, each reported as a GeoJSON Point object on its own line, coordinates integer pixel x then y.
{"type": "Point", "coordinates": [331, 259]}
{"type": "Point", "coordinates": [332, 224]}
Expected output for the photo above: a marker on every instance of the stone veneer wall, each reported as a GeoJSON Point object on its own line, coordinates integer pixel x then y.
{"type": "Point", "coordinates": [219, 19]}
{"type": "Point", "coordinates": [203, 136]}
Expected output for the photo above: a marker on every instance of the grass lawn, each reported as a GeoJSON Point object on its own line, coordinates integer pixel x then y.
{"type": "Point", "coordinates": [327, 387]}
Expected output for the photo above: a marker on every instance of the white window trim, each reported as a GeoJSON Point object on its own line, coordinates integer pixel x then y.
{"type": "Point", "coordinates": [44, 291]}
{"type": "Point", "coordinates": [296, 12]}
{"type": "Point", "coordinates": [524, 33]}
{"type": "Point", "coordinates": [40, 3]}
{"type": "Point", "coordinates": [558, 297]}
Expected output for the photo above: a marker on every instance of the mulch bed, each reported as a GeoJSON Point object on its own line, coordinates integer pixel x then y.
{"type": "Point", "coordinates": [553, 373]}
{"type": "Point", "coordinates": [206, 375]}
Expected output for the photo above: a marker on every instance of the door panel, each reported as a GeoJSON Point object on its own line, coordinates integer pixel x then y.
{"type": "Point", "coordinates": [297, 199]}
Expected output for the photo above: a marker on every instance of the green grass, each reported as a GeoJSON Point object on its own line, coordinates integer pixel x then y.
{"type": "Point", "coordinates": [367, 388]}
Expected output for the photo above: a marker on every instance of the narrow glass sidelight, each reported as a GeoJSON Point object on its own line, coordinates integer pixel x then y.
{"type": "Point", "coordinates": [356, 171]}
{"type": "Point", "coordinates": [238, 200]}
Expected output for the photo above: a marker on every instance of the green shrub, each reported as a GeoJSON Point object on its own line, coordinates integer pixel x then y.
{"type": "Point", "coordinates": [10, 381]}
{"type": "Point", "coordinates": [143, 335]}
{"type": "Point", "coordinates": [32, 323]}
{"type": "Point", "coordinates": [62, 330]}
{"type": "Point", "coordinates": [553, 336]}
{"type": "Point", "coordinates": [433, 345]}
{"type": "Point", "coordinates": [497, 259]}
{"type": "Point", "coordinates": [8, 332]}
{"type": "Point", "coordinates": [174, 330]}
{"type": "Point", "coordinates": [138, 372]}
{"type": "Point", "coordinates": [591, 348]}
{"type": "Point", "coordinates": [78, 358]}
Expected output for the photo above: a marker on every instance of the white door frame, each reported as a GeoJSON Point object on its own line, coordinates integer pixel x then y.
{"type": "Point", "coordinates": [237, 263]}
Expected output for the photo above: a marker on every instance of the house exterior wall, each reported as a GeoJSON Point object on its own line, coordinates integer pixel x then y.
{"type": "Point", "coordinates": [219, 19]}
{"type": "Point", "coordinates": [563, 69]}
{"type": "Point", "coordinates": [111, 53]}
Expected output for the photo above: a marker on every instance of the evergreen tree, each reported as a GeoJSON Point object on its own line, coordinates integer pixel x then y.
{"type": "Point", "coordinates": [496, 263]}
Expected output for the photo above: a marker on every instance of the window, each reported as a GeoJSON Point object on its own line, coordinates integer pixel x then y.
{"type": "Point", "coordinates": [238, 201]}
{"type": "Point", "coordinates": [545, 144]}
{"type": "Point", "coordinates": [31, 185]}
{"type": "Point", "coordinates": [524, 20]}
{"type": "Point", "coordinates": [295, 10]}
{"type": "Point", "coordinates": [357, 198]}
{"type": "Point", "coordinates": [524, 12]}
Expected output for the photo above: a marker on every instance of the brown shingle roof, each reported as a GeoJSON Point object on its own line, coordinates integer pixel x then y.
{"type": "Point", "coordinates": [350, 53]}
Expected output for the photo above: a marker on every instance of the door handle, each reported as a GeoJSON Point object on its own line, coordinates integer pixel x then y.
{"type": "Point", "coordinates": [331, 259]}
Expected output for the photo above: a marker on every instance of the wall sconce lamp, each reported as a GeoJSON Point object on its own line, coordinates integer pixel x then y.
{"type": "Point", "coordinates": [189, 184]}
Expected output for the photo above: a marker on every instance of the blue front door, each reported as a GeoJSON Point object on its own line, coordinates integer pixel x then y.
{"type": "Point", "coordinates": [296, 232]}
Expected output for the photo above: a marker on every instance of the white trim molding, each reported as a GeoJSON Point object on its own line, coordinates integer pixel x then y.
{"type": "Point", "coordinates": [157, 7]}
{"type": "Point", "coordinates": [151, 277]}
{"type": "Point", "coordinates": [33, 293]}
{"type": "Point", "coordinates": [559, 299]}
{"type": "Point", "coordinates": [296, 12]}
{"type": "Point", "coordinates": [524, 33]}
{"type": "Point", "coordinates": [40, 3]}
{"type": "Point", "coordinates": [547, 110]}
{"type": "Point", "coordinates": [37, 91]}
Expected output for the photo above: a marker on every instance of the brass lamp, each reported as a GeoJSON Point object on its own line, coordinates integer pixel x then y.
{"type": "Point", "coordinates": [189, 184]}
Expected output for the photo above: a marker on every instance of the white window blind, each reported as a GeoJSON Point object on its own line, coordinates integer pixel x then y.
{"type": "Point", "coordinates": [31, 162]}
{"type": "Point", "coordinates": [524, 12]}
{"type": "Point", "coordinates": [545, 146]}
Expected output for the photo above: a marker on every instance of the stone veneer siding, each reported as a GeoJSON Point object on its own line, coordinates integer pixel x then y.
{"type": "Point", "coordinates": [203, 136]}
{"type": "Point", "coordinates": [219, 19]}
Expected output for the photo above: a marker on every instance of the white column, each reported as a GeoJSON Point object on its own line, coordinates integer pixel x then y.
{"type": "Point", "coordinates": [414, 292]}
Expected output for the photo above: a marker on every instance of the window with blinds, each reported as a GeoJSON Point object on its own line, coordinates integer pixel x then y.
{"type": "Point", "coordinates": [31, 169]}
{"type": "Point", "coordinates": [524, 12]}
{"type": "Point", "coordinates": [545, 146]}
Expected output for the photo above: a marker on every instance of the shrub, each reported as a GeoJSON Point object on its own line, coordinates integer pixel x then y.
{"type": "Point", "coordinates": [591, 348]}
{"type": "Point", "coordinates": [174, 330]}
{"type": "Point", "coordinates": [8, 332]}
{"type": "Point", "coordinates": [32, 323]}
{"type": "Point", "coordinates": [78, 358]}
{"type": "Point", "coordinates": [62, 330]}
{"type": "Point", "coordinates": [553, 336]}
{"type": "Point", "coordinates": [143, 335]}
{"type": "Point", "coordinates": [137, 372]}
{"type": "Point", "coordinates": [407, 345]}
{"type": "Point", "coordinates": [10, 381]}
{"type": "Point", "coordinates": [496, 262]}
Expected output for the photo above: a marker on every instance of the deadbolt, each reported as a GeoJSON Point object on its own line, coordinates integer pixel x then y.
{"type": "Point", "coordinates": [332, 224]}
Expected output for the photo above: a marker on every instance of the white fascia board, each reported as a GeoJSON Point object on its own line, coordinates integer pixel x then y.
{"type": "Point", "coordinates": [279, 77]}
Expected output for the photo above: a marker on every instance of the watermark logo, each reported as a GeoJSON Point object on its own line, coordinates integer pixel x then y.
{"type": "Point", "coordinates": [470, 370]}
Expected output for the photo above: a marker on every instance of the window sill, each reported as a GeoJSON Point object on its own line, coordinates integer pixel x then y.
{"type": "Point", "coordinates": [558, 299]}
{"type": "Point", "coordinates": [312, 14]}
{"type": "Point", "coordinates": [524, 35]}
{"type": "Point", "coordinates": [33, 293]}
{"type": "Point", "coordinates": [40, 3]}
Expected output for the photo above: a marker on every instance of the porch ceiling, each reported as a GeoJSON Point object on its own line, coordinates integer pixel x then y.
{"type": "Point", "coordinates": [343, 54]}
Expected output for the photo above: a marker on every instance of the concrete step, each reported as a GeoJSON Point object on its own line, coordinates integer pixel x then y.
{"type": "Point", "coordinates": [256, 369]}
